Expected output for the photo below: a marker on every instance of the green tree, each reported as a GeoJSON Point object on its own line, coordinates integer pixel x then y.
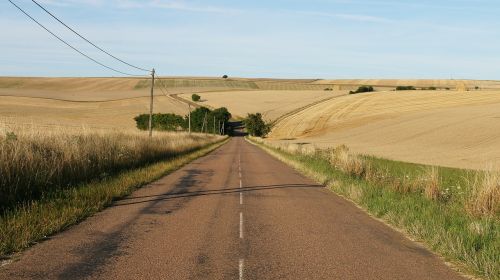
{"type": "Point", "coordinates": [169, 122]}
{"type": "Point", "coordinates": [362, 89]}
{"type": "Point", "coordinates": [218, 118]}
{"type": "Point", "coordinates": [256, 126]}
{"type": "Point", "coordinates": [405, 88]}
{"type": "Point", "coordinates": [199, 116]}
{"type": "Point", "coordinates": [195, 97]}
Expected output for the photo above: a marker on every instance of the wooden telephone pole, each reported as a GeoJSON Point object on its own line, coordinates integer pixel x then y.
{"type": "Point", "coordinates": [151, 103]}
{"type": "Point", "coordinates": [189, 118]}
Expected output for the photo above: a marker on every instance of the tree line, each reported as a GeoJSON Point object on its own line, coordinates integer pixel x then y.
{"type": "Point", "coordinates": [202, 120]}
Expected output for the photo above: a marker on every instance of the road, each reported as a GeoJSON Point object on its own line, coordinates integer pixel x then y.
{"type": "Point", "coordinates": [237, 213]}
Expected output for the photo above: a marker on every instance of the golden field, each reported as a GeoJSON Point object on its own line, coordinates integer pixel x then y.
{"type": "Point", "coordinates": [272, 104]}
{"type": "Point", "coordinates": [457, 128]}
{"type": "Point", "coordinates": [111, 102]}
{"type": "Point", "coordinates": [447, 128]}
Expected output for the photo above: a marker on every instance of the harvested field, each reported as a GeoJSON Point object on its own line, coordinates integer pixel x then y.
{"type": "Point", "coordinates": [448, 128]}
{"type": "Point", "coordinates": [271, 103]}
{"type": "Point", "coordinates": [422, 83]}
{"type": "Point", "coordinates": [101, 114]}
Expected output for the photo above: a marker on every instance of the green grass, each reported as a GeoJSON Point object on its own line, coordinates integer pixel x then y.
{"type": "Point", "coordinates": [56, 211]}
{"type": "Point", "coordinates": [471, 243]}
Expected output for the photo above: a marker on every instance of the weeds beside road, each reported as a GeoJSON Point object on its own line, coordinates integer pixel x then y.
{"type": "Point", "coordinates": [51, 180]}
{"type": "Point", "coordinates": [456, 213]}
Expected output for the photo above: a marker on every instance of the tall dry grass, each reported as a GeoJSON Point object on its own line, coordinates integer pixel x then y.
{"type": "Point", "coordinates": [485, 196]}
{"type": "Point", "coordinates": [483, 191]}
{"type": "Point", "coordinates": [36, 162]}
{"type": "Point", "coordinates": [455, 212]}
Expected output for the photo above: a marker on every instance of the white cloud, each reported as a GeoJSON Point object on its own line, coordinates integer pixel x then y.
{"type": "Point", "coordinates": [352, 17]}
{"type": "Point", "coordinates": [180, 5]}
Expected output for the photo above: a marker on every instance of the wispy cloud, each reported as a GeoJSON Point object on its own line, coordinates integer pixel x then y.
{"type": "Point", "coordinates": [352, 17]}
{"type": "Point", "coordinates": [179, 5]}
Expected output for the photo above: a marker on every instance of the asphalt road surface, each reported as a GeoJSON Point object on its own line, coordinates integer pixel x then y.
{"type": "Point", "coordinates": [237, 213]}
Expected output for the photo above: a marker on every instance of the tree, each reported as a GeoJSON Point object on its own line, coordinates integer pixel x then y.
{"type": "Point", "coordinates": [195, 97]}
{"type": "Point", "coordinates": [218, 118]}
{"type": "Point", "coordinates": [199, 118]}
{"type": "Point", "coordinates": [405, 88]}
{"type": "Point", "coordinates": [256, 126]}
{"type": "Point", "coordinates": [362, 89]}
{"type": "Point", "coordinates": [170, 122]}
{"type": "Point", "coordinates": [225, 77]}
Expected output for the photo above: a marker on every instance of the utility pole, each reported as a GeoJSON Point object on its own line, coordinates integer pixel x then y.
{"type": "Point", "coordinates": [203, 124]}
{"type": "Point", "coordinates": [151, 103]}
{"type": "Point", "coordinates": [189, 118]}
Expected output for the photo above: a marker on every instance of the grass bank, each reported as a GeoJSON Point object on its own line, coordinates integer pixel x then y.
{"type": "Point", "coordinates": [456, 213]}
{"type": "Point", "coordinates": [54, 207]}
{"type": "Point", "coordinates": [36, 162]}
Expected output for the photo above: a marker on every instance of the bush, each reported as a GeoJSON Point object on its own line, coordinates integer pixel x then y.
{"type": "Point", "coordinates": [195, 97]}
{"type": "Point", "coordinates": [256, 126]}
{"type": "Point", "coordinates": [225, 77]}
{"type": "Point", "coordinates": [429, 88]}
{"type": "Point", "coordinates": [328, 89]}
{"type": "Point", "coordinates": [405, 88]}
{"type": "Point", "coordinates": [165, 122]}
{"type": "Point", "coordinates": [362, 89]}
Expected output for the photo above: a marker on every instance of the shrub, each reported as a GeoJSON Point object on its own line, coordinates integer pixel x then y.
{"type": "Point", "coordinates": [328, 89]}
{"type": "Point", "coordinates": [256, 126]}
{"type": "Point", "coordinates": [195, 97]}
{"type": "Point", "coordinates": [165, 122]}
{"type": "Point", "coordinates": [405, 88]}
{"type": "Point", "coordinates": [362, 89]}
{"type": "Point", "coordinates": [225, 77]}
{"type": "Point", "coordinates": [429, 88]}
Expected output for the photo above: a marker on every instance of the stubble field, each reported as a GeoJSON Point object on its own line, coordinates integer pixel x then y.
{"type": "Point", "coordinates": [447, 128]}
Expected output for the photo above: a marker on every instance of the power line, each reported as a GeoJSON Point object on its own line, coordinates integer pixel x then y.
{"type": "Point", "coordinates": [88, 41]}
{"type": "Point", "coordinates": [69, 45]}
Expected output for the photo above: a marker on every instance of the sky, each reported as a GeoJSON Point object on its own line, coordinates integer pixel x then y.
{"type": "Point", "coordinates": [329, 39]}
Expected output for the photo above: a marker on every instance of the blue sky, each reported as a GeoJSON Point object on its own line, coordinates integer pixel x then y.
{"type": "Point", "coordinates": [273, 38]}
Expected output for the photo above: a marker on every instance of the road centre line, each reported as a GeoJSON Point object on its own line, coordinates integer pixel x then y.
{"type": "Point", "coordinates": [241, 269]}
{"type": "Point", "coordinates": [241, 225]}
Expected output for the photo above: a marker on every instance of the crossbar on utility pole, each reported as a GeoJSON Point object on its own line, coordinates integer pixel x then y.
{"type": "Point", "coordinates": [151, 103]}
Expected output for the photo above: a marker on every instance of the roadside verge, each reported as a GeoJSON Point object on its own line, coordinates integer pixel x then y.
{"type": "Point", "coordinates": [427, 204]}
{"type": "Point", "coordinates": [33, 222]}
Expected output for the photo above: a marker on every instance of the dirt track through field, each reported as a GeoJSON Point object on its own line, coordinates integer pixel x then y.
{"type": "Point", "coordinates": [237, 213]}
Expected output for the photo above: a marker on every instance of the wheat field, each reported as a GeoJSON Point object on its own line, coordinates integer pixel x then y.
{"type": "Point", "coordinates": [272, 104]}
{"type": "Point", "coordinates": [457, 127]}
{"type": "Point", "coordinates": [448, 128]}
